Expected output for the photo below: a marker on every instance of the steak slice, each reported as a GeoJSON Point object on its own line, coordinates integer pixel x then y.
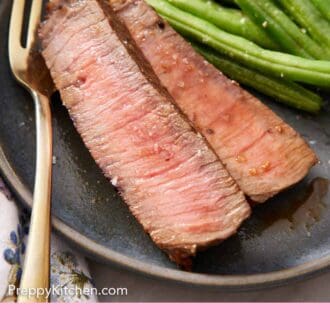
{"type": "Point", "coordinates": [261, 152]}
{"type": "Point", "coordinates": [171, 180]}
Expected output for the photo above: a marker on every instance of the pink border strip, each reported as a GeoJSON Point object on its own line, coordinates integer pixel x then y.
{"type": "Point", "coordinates": [166, 316]}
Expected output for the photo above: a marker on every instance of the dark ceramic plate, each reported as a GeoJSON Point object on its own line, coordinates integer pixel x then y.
{"type": "Point", "coordinates": [286, 238]}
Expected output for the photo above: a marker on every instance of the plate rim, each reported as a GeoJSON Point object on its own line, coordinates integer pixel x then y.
{"type": "Point", "coordinates": [228, 282]}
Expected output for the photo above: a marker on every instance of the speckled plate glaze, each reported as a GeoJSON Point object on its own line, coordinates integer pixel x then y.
{"type": "Point", "coordinates": [286, 238]}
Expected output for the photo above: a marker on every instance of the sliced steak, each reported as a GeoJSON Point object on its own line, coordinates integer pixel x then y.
{"type": "Point", "coordinates": [261, 152]}
{"type": "Point", "coordinates": [171, 180]}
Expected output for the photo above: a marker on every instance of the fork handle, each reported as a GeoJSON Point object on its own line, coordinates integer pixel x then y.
{"type": "Point", "coordinates": [35, 278]}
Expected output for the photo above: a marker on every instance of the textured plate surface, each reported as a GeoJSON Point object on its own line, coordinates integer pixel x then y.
{"type": "Point", "coordinates": [285, 238]}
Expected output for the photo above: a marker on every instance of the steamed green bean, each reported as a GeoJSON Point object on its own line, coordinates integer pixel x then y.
{"type": "Point", "coordinates": [275, 63]}
{"type": "Point", "coordinates": [227, 19]}
{"type": "Point", "coordinates": [282, 29]}
{"type": "Point", "coordinates": [307, 15]}
{"type": "Point", "coordinates": [324, 7]}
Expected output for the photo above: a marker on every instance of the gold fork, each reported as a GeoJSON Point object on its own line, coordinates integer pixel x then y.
{"type": "Point", "coordinates": [35, 278]}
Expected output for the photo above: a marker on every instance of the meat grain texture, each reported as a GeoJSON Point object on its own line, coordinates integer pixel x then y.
{"type": "Point", "coordinates": [261, 152]}
{"type": "Point", "coordinates": [171, 180]}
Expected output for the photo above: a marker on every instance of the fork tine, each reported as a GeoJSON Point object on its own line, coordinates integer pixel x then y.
{"type": "Point", "coordinates": [34, 20]}
{"type": "Point", "coordinates": [15, 30]}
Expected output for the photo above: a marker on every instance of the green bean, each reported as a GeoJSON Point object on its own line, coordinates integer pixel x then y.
{"type": "Point", "coordinates": [324, 7]}
{"type": "Point", "coordinates": [227, 19]}
{"type": "Point", "coordinates": [284, 91]}
{"type": "Point", "coordinates": [306, 15]}
{"type": "Point", "coordinates": [237, 48]}
{"type": "Point", "coordinates": [280, 27]}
